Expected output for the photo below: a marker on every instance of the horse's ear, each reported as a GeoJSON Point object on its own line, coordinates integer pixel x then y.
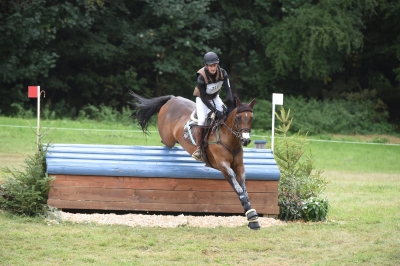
{"type": "Point", "coordinates": [238, 102]}
{"type": "Point", "coordinates": [251, 104]}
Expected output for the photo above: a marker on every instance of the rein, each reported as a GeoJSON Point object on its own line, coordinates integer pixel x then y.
{"type": "Point", "coordinates": [236, 133]}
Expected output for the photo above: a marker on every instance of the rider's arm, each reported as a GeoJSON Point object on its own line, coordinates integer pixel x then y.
{"type": "Point", "coordinates": [228, 91]}
{"type": "Point", "coordinates": [201, 85]}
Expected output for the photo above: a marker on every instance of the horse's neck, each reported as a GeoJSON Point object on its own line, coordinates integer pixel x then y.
{"type": "Point", "coordinates": [230, 122]}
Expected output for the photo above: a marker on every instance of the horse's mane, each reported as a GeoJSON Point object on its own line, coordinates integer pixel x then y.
{"type": "Point", "coordinates": [231, 105]}
{"type": "Point", "coordinates": [241, 107]}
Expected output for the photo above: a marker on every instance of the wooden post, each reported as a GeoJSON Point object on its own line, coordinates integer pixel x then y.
{"type": "Point", "coordinates": [260, 144]}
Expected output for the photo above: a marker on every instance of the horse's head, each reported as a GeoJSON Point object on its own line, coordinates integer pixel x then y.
{"type": "Point", "coordinates": [243, 120]}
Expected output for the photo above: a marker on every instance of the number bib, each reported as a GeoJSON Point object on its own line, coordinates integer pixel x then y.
{"type": "Point", "coordinates": [214, 87]}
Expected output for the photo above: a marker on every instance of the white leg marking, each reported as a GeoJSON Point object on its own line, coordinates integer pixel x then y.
{"type": "Point", "coordinates": [243, 177]}
{"type": "Point", "coordinates": [232, 175]}
{"type": "Point", "coordinates": [244, 183]}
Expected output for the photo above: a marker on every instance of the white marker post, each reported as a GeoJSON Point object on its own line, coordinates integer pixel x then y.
{"type": "Point", "coordinates": [277, 98]}
{"type": "Point", "coordinates": [34, 92]}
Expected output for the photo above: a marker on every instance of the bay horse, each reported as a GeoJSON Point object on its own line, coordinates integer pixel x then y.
{"type": "Point", "coordinates": [227, 156]}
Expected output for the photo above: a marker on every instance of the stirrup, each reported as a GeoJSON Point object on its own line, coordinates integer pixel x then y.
{"type": "Point", "coordinates": [197, 155]}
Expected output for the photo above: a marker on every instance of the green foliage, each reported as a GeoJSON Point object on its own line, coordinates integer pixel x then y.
{"type": "Point", "coordinates": [318, 117]}
{"type": "Point", "coordinates": [313, 39]}
{"type": "Point", "coordinates": [315, 209]}
{"type": "Point", "coordinates": [26, 192]}
{"type": "Point", "coordinates": [289, 208]}
{"type": "Point", "coordinates": [21, 112]}
{"type": "Point", "coordinates": [87, 52]}
{"type": "Point", "coordinates": [338, 116]}
{"type": "Point", "coordinates": [262, 115]}
{"type": "Point", "coordinates": [380, 140]}
{"type": "Point", "coordinates": [299, 180]}
{"type": "Point", "coordinates": [104, 114]}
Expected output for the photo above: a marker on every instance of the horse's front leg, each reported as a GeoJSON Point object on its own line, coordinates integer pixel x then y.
{"type": "Point", "coordinates": [240, 189]}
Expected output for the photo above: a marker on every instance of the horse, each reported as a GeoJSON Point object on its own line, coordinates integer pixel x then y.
{"type": "Point", "coordinates": [226, 156]}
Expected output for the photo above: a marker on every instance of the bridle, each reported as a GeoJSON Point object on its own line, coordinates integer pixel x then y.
{"type": "Point", "coordinates": [238, 130]}
{"type": "Point", "coordinates": [234, 132]}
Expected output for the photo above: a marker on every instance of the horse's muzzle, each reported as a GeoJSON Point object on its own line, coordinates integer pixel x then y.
{"type": "Point", "coordinates": [245, 139]}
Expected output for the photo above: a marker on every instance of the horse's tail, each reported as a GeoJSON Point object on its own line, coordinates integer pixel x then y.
{"type": "Point", "coordinates": [144, 108]}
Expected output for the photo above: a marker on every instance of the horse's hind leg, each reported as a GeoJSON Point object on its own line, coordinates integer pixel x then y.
{"type": "Point", "coordinates": [240, 189]}
{"type": "Point", "coordinates": [165, 130]}
{"type": "Point", "coordinates": [167, 139]}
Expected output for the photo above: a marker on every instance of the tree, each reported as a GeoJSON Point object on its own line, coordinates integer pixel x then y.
{"type": "Point", "coordinates": [87, 52]}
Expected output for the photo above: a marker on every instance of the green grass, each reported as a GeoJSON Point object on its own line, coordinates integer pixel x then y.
{"type": "Point", "coordinates": [349, 157]}
{"type": "Point", "coordinates": [363, 225]}
{"type": "Point", "coordinates": [363, 228]}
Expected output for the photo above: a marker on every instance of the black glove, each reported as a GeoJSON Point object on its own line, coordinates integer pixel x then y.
{"type": "Point", "coordinates": [219, 114]}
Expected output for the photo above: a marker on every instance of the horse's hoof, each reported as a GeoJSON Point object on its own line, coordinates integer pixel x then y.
{"type": "Point", "coordinates": [254, 225]}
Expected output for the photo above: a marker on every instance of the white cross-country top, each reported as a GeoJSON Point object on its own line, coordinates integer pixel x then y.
{"type": "Point", "coordinates": [214, 87]}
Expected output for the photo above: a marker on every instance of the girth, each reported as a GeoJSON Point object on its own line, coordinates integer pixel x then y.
{"type": "Point", "coordinates": [219, 141]}
{"type": "Point", "coordinates": [214, 127]}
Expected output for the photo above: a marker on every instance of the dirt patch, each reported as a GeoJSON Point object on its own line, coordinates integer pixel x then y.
{"type": "Point", "coordinates": [165, 221]}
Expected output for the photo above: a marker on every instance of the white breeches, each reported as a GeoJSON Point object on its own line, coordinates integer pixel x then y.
{"type": "Point", "coordinates": [203, 110]}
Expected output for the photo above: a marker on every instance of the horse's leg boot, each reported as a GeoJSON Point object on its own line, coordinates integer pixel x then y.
{"type": "Point", "coordinates": [197, 153]}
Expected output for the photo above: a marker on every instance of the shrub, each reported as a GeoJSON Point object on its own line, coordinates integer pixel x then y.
{"type": "Point", "coordinates": [26, 192]}
{"type": "Point", "coordinates": [20, 112]}
{"type": "Point", "coordinates": [314, 209]}
{"type": "Point", "coordinates": [338, 116]}
{"type": "Point", "coordinates": [262, 115]}
{"type": "Point", "coordinates": [289, 208]}
{"type": "Point", "coordinates": [299, 181]}
{"type": "Point", "coordinates": [380, 140]}
{"type": "Point", "coordinates": [105, 114]}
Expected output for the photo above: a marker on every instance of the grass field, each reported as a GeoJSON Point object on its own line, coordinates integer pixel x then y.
{"type": "Point", "coordinates": [363, 225]}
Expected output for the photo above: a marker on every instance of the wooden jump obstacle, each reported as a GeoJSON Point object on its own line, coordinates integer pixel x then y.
{"type": "Point", "coordinates": [152, 178]}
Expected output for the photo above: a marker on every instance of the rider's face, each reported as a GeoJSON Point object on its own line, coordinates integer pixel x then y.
{"type": "Point", "coordinates": [212, 68]}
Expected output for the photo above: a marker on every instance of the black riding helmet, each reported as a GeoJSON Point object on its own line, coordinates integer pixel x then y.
{"type": "Point", "coordinates": [211, 58]}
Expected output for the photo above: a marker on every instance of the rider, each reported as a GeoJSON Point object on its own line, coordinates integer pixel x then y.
{"type": "Point", "coordinates": [210, 79]}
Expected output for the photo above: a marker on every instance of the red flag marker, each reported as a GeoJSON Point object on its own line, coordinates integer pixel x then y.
{"type": "Point", "coordinates": [33, 91]}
